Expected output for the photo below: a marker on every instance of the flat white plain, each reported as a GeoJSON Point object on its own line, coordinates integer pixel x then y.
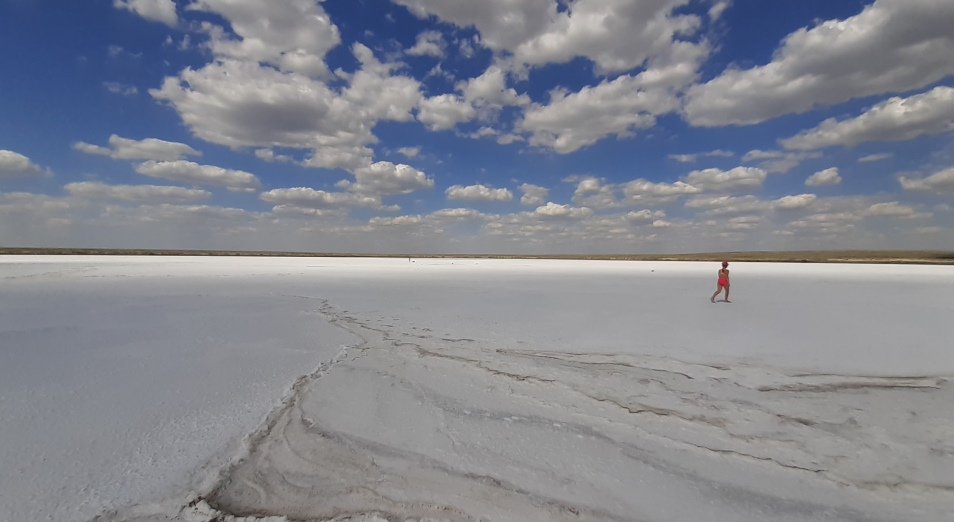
{"type": "Point", "coordinates": [461, 388]}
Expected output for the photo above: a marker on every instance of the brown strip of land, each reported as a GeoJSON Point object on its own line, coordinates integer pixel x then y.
{"type": "Point", "coordinates": [820, 256]}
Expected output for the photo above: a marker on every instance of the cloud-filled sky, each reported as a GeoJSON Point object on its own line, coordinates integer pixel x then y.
{"type": "Point", "coordinates": [499, 126]}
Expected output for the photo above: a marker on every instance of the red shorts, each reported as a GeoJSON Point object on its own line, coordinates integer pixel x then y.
{"type": "Point", "coordinates": [723, 281]}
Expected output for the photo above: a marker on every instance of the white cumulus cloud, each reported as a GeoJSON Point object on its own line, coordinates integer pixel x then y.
{"type": "Point", "coordinates": [775, 161]}
{"type": "Point", "coordinates": [167, 212]}
{"type": "Point", "coordinates": [395, 221]}
{"type": "Point", "coordinates": [16, 164]}
{"type": "Point", "coordinates": [291, 210]}
{"type": "Point", "coordinates": [737, 179]}
{"type": "Point", "coordinates": [490, 89]}
{"type": "Point", "coordinates": [157, 10]}
{"type": "Point", "coordinates": [645, 215]}
{"type": "Point", "coordinates": [305, 197]}
{"type": "Point", "coordinates": [894, 209]}
{"type": "Point", "coordinates": [503, 24]}
{"type": "Point", "coordinates": [571, 121]}
{"type": "Point", "coordinates": [445, 111]}
{"type": "Point", "coordinates": [270, 156]}
{"type": "Point", "coordinates": [533, 195]}
{"type": "Point", "coordinates": [293, 35]}
{"type": "Point", "coordinates": [121, 89]}
{"type": "Point", "coordinates": [147, 149]}
{"type": "Point", "coordinates": [386, 178]}
{"type": "Point", "coordinates": [691, 158]}
{"type": "Point", "coordinates": [891, 46]}
{"type": "Point", "coordinates": [616, 35]}
{"type": "Point", "coordinates": [795, 201]}
{"type": "Point", "coordinates": [38, 205]}
{"type": "Point", "coordinates": [457, 214]}
{"type": "Point", "coordinates": [429, 43]}
{"type": "Point", "coordinates": [895, 119]}
{"type": "Point", "coordinates": [479, 193]}
{"type": "Point", "coordinates": [138, 193]}
{"type": "Point", "coordinates": [881, 156]}
{"type": "Point", "coordinates": [645, 191]}
{"type": "Point", "coordinates": [728, 205]}
{"type": "Point", "coordinates": [190, 172]}
{"type": "Point", "coordinates": [941, 182]}
{"type": "Point", "coordinates": [241, 103]}
{"type": "Point", "coordinates": [824, 177]}
{"type": "Point", "coordinates": [409, 152]}
{"type": "Point", "coordinates": [554, 210]}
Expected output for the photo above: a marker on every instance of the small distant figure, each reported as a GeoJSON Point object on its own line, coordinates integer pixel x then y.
{"type": "Point", "coordinates": [723, 283]}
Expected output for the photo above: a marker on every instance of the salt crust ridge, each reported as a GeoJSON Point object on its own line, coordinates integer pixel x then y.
{"type": "Point", "coordinates": [810, 437]}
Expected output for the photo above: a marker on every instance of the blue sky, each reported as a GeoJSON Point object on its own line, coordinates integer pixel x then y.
{"type": "Point", "coordinates": [501, 126]}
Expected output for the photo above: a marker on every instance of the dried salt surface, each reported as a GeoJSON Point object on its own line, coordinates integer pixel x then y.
{"type": "Point", "coordinates": [116, 388]}
{"type": "Point", "coordinates": [557, 390]}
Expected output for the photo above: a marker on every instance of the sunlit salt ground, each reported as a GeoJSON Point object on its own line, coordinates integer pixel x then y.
{"type": "Point", "coordinates": [203, 389]}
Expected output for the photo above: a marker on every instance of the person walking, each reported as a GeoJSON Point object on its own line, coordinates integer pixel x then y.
{"type": "Point", "coordinates": [723, 282]}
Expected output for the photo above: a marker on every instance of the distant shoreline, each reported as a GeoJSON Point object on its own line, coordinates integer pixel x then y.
{"type": "Point", "coordinates": [919, 257]}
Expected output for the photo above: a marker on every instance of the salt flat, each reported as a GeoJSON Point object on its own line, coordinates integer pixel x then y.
{"type": "Point", "coordinates": [461, 389]}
